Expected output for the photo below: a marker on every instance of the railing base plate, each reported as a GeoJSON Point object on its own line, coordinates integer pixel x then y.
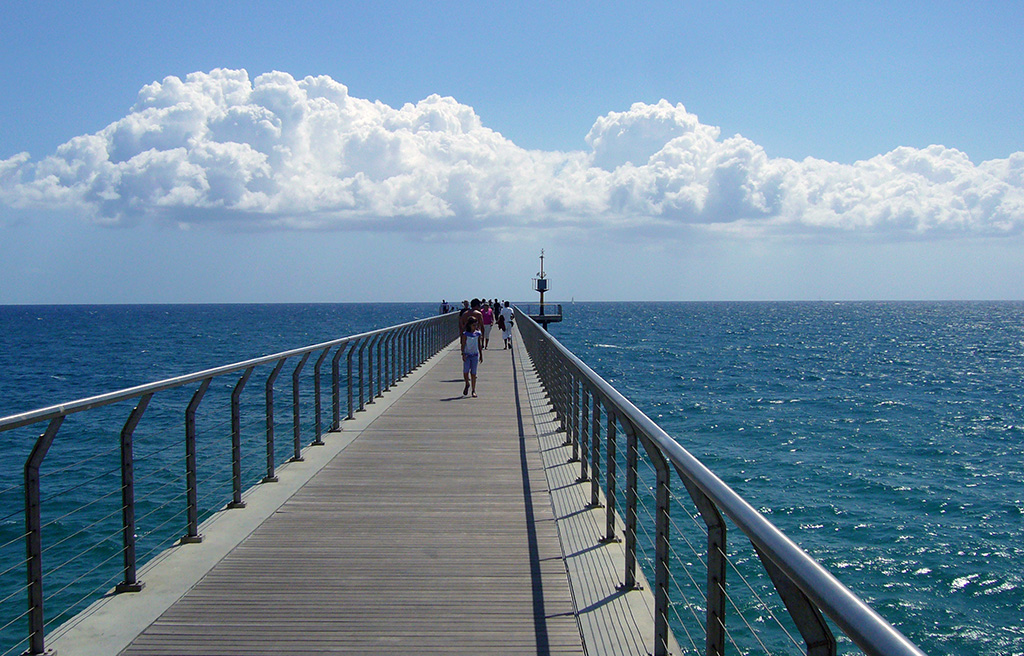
{"type": "Point", "coordinates": [129, 587]}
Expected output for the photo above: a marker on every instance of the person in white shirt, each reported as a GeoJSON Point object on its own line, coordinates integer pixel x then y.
{"type": "Point", "coordinates": [508, 317]}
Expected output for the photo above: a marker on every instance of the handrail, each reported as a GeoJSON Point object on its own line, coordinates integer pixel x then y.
{"type": "Point", "coordinates": [89, 403]}
{"type": "Point", "coordinates": [793, 571]}
{"type": "Point", "coordinates": [398, 349]}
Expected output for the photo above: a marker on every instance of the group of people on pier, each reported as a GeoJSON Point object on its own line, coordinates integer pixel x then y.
{"type": "Point", "coordinates": [476, 319]}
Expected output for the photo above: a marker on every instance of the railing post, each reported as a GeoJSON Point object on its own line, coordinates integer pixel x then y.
{"type": "Point", "coordinates": [236, 440]}
{"type": "Point", "coordinates": [350, 381]}
{"type": "Point", "coordinates": [191, 485]}
{"type": "Point", "coordinates": [130, 582]}
{"type": "Point", "coordinates": [409, 353]}
{"type": "Point", "coordinates": [808, 618]}
{"type": "Point", "coordinates": [418, 347]}
{"type": "Point", "coordinates": [632, 464]}
{"type": "Point", "coordinates": [561, 377]}
{"type": "Point", "coordinates": [610, 484]}
{"type": "Point", "coordinates": [595, 452]}
{"type": "Point", "coordinates": [385, 375]}
{"type": "Point", "coordinates": [380, 371]}
{"type": "Point", "coordinates": [372, 346]}
{"type": "Point", "coordinates": [34, 537]}
{"type": "Point", "coordinates": [296, 414]}
{"type": "Point", "coordinates": [336, 387]}
{"type": "Point", "coordinates": [573, 435]}
{"type": "Point", "coordinates": [661, 546]}
{"type": "Point", "coordinates": [317, 423]}
{"type": "Point", "coordinates": [406, 360]}
{"type": "Point", "coordinates": [584, 438]}
{"type": "Point", "coordinates": [716, 563]}
{"type": "Point", "coordinates": [362, 380]}
{"type": "Point", "coordinates": [271, 476]}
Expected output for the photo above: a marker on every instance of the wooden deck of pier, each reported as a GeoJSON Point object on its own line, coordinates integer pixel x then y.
{"type": "Point", "coordinates": [431, 524]}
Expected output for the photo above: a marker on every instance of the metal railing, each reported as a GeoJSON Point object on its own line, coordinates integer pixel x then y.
{"type": "Point", "coordinates": [580, 398]}
{"type": "Point", "coordinates": [381, 357]}
{"type": "Point", "coordinates": [545, 313]}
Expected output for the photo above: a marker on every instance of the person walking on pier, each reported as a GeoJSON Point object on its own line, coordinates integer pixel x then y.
{"type": "Point", "coordinates": [473, 311]}
{"type": "Point", "coordinates": [488, 315]}
{"type": "Point", "coordinates": [506, 317]}
{"type": "Point", "coordinates": [472, 342]}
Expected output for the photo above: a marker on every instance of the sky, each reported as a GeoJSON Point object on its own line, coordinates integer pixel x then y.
{"type": "Point", "coordinates": [405, 151]}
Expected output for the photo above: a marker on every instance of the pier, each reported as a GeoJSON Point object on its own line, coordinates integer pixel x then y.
{"type": "Point", "coordinates": [431, 531]}
{"type": "Point", "coordinates": [544, 517]}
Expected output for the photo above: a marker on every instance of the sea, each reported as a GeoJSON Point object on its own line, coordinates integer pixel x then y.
{"type": "Point", "coordinates": [885, 438]}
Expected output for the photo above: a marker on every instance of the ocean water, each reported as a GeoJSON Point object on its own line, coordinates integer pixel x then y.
{"type": "Point", "coordinates": [887, 439]}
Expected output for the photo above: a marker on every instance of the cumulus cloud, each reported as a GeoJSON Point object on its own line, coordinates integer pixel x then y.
{"type": "Point", "coordinates": [279, 152]}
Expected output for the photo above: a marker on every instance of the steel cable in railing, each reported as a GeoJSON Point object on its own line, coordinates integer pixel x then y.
{"type": "Point", "coordinates": [101, 541]}
{"type": "Point", "coordinates": [10, 488]}
{"type": "Point", "coordinates": [63, 492]}
{"type": "Point", "coordinates": [177, 476]}
{"type": "Point", "coordinates": [754, 633]}
{"type": "Point", "coordinates": [212, 473]}
{"type": "Point", "coordinates": [139, 518]}
{"type": "Point", "coordinates": [83, 575]}
{"type": "Point", "coordinates": [699, 555]}
{"type": "Point", "coordinates": [81, 531]}
{"type": "Point", "coordinates": [763, 603]}
{"type": "Point", "coordinates": [73, 607]}
{"type": "Point", "coordinates": [167, 541]}
{"type": "Point", "coordinates": [75, 511]}
{"type": "Point", "coordinates": [12, 595]}
{"type": "Point", "coordinates": [84, 530]}
{"type": "Point", "coordinates": [12, 541]}
{"type": "Point", "coordinates": [11, 623]}
{"type": "Point", "coordinates": [11, 516]}
{"type": "Point", "coordinates": [685, 602]}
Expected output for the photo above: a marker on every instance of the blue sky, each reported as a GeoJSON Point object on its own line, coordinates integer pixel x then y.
{"type": "Point", "coordinates": [527, 126]}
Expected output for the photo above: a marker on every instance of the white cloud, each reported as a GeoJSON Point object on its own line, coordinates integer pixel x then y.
{"type": "Point", "coordinates": [287, 153]}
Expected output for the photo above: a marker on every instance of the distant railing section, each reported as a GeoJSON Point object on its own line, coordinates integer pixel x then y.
{"type": "Point", "coordinates": [541, 313]}
{"type": "Point", "coordinates": [596, 419]}
{"type": "Point", "coordinates": [373, 362]}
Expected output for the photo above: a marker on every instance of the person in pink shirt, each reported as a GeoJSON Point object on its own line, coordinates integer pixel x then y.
{"type": "Point", "coordinates": [488, 315]}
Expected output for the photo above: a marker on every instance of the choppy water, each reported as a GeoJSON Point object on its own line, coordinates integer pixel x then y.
{"type": "Point", "coordinates": [884, 438]}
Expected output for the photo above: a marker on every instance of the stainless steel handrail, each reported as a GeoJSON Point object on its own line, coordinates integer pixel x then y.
{"type": "Point", "coordinates": [405, 347]}
{"type": "Point", "coordinates": [806, 587]}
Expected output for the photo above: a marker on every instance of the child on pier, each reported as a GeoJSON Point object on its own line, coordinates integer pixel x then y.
{"type": "Point", "coordinates": [472, 344]}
